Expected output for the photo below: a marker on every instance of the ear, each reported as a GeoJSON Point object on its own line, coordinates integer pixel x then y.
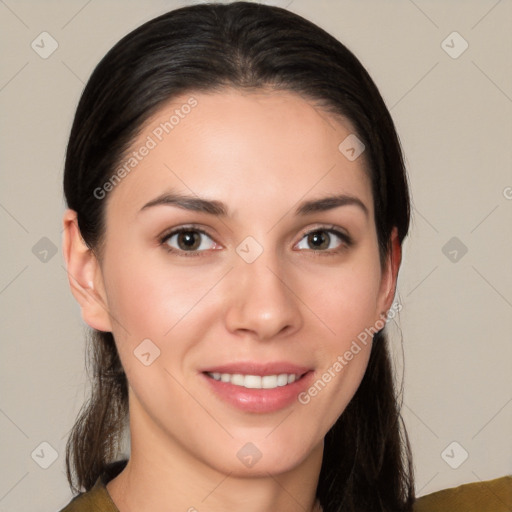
{"type": "Point", "coordinates": [84, 275]}
{"type": "Point", "coordinates": [389, 275]}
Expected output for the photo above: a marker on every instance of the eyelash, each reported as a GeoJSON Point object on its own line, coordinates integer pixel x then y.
{"type": "Point", "coordinates": [347, 241]}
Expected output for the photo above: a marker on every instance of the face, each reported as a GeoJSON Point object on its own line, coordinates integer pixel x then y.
{"type": "Point", "coordinates": [238, 295]}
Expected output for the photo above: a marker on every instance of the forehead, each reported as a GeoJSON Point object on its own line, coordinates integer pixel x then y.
{"type": "Point", "coordinates": [247, 149]}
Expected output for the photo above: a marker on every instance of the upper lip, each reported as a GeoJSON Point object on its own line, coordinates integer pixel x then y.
{"type": "Point", "coordinates": [254, 368]}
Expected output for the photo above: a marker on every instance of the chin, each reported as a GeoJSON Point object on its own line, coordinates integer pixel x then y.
{"type": "Point", "coordinates": [261, 459]}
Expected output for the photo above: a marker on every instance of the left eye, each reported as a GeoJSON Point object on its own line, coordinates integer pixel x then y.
{"type": "Point", "coordinates": [190, 240]}
{"type": "Point", "coordinates": [322, 239]}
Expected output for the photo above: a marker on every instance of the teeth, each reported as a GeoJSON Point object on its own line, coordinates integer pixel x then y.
{"type": "Point", "coordinates": [256, 381]}
{"type": "Point", "coordinates": [282, 379]}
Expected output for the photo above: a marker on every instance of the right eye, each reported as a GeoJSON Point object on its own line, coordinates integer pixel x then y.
{"type": "Point", "coordinates": [188, 240]}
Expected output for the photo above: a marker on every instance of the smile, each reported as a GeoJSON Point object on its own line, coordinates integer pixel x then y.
{"type": "Point", "coordinates": [255, 381]}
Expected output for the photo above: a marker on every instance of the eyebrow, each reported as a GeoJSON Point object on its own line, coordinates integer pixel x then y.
{"type": "Point", "coordinates": [330, 202]}
{"type": "Point", "coordinates": [219, 209]}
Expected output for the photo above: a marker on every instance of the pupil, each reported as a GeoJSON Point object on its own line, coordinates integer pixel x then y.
{"type": "Point", "coordinates": [319, 240]}
{"type": "Point", "coordinates": [187, 239]}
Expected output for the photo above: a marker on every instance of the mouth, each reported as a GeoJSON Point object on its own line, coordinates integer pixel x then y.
{"type": "Point", "coordinates": [258, 388]}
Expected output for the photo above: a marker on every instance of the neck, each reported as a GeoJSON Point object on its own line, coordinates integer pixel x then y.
{"type": "Point", "coordinates": [162, 475]}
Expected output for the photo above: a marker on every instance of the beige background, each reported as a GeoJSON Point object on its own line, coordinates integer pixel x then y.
{"type": "Point", "coordinates": [454, 119]}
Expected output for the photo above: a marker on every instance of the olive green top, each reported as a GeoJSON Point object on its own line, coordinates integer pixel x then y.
{"type": "Point", "coordinates": [489, 496]}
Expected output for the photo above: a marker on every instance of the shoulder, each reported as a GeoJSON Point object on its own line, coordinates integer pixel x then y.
{"type": "Point", "coordinates": [488, 496]}
{"type": "Point", "coordinates": [97, 499]}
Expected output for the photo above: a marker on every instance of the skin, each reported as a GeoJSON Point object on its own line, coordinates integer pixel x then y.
{"type": "Point", "coordinates": [261, 153]}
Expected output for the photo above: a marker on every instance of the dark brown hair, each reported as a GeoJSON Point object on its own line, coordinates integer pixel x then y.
{"type": "Point", "coordinates": [208, 47]}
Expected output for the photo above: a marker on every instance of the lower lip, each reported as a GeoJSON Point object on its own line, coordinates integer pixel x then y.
{"type": "Point", "coordinates": [259, 400]}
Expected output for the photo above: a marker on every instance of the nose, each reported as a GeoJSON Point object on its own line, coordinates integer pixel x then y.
{"type": "Point", "coordinates": [262, 303]}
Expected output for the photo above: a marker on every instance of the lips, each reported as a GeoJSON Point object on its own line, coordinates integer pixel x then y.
{"type": "Point", "coordinates": [261, 369]}
{"type": "Point", "coordinates": [256, 387]}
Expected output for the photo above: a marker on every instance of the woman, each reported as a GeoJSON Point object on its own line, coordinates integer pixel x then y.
{"type": "Point", "coordinates": [237, 206]}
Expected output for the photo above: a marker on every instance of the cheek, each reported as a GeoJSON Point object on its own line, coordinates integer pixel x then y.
{"type": "Point", "coordinates": [345, 300]}
{"type": "Point", "coordinates": [151, 295]}
{"type": "Point", "coordinates": [347, 306]}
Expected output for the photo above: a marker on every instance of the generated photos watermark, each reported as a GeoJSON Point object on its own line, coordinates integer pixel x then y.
{"type": "Point", "coordinates": [342, 360]}
{"type": "Point", "coordinates": [157, 135]}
